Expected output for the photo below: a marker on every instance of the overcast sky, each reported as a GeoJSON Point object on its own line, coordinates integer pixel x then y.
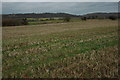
{"type": "Point", "coordinates": [55, 7]}
{"type": "Point", "coordinates": [60, 0]}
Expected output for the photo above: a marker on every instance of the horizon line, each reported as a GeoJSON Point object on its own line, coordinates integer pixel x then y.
{"type": "Point", "coordinates": [55, 13]}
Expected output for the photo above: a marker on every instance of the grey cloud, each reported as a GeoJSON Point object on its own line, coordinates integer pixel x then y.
{"type": "Point", "coordinates": [53, 7]}
{"type": "Point", "coordinates": [60, 0]}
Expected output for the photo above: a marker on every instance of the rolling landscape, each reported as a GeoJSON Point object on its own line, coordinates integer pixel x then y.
{"type": "Point", "coordinates": [60, 45]}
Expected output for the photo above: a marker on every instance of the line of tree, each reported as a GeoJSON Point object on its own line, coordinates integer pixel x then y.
{"type": "Point", "coordinates": [84, 18]}
{"type": "Point", "coordinates": [96, 17]}
{"type": "Point", "coordinates": [67, 19]}
{"type": "Point", "coordinates": [14, 22]}
{"type": "Point", "coordinates": [112, 17]}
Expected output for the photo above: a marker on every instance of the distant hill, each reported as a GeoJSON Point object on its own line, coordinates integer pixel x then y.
{"type": "Point", "coordinates": [21, 19]}
{"type": "Point", "coordinates": [101, 15]}
{"type": "Point", "coordinates": [48, 15]}
{"type": "Point", "coordinates": [42, 15]}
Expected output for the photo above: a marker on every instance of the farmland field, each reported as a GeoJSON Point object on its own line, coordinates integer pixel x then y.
{"type": "Point", "coordinates": [36, 21]}
{"type": "Point", "coordinates": [84, 49]}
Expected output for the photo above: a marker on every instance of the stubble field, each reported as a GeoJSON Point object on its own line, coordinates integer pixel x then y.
{"type": "Point", "coordinates": [84, 49]}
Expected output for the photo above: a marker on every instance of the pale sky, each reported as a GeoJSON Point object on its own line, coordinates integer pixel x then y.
{"type": "Point", "coordinates": [60, 0]}
{"type": "Point", "coordinates": [77, 8]}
